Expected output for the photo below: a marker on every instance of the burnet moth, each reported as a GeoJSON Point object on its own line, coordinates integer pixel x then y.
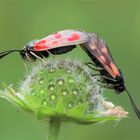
{"type": "Point", "coordinates": [56, 43]}
{"type": "Point", "coordinates": [64, 41]}
{"type": "Point", "coordinates": [99, 53]}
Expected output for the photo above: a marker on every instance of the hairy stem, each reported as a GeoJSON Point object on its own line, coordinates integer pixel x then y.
{"type": "Point", "coordinates": [54, 125]}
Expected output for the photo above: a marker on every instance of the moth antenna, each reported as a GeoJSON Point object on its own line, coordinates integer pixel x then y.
{"type": "Point", "coordinates": [2, 54]}
{"type": "Point", "coordinates": [137, 111]}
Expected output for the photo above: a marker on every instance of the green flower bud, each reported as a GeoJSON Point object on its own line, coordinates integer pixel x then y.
{"type": "Point", "coordinates": [66, 90]}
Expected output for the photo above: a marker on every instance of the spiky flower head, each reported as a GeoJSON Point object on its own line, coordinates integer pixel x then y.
{"type": "Point", "coordinates": [63, 89]}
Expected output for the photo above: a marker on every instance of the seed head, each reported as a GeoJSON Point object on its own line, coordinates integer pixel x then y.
{"type": "Point", "coordinates": [63, 89]}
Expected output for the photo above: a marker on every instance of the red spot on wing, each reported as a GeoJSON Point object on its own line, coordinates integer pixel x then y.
{"type": "Point", "coordinates": [54, 42]}
{"type": "Point", "coordinates": [114, 68]}
{"type": "Point", "coordinates": [40, 46]}
{"type": "Point", "coordinates": [74, 37]}
{"type": "Point", "coordinates": [41, 42]}
{"type": "Point", "coordinates": [57, 36]}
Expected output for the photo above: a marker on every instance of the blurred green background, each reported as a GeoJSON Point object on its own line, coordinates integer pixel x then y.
{"type": "Point", "coordinates": [117, 21]}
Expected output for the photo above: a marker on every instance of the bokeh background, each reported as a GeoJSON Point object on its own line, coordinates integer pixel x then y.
{"type": "Point", "coordinates": [117, 21]}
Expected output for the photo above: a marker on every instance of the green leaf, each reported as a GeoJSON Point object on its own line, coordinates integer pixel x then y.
{"type": "Point", "coordinates": [60, 107]}
{"type": "Point", "coordinates": [78, 111]}
{"type": "Point", "coordinates": [44, 112]}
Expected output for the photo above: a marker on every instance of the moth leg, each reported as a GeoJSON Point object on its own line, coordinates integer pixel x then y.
{"type": "Point", "coordinates": [90, 65]}
{"type": "Point", "coordinates": [51, 53]}
{"type": "Point", "coordinates": [104, 78]}
{"type": "Point", "coordinates": [26, 70]}
{"type": "Point", "coordinates": [109, 78]}
{"type": "Point", "coordinates": [101, 81]}
{"type": "Point", "coordinates": [25, 66]}
{"type": "Point", "coordinates": [36, 56]}
{"type": "Point", "coordinates": [107, 86]}
{"type": "Point", "coordinates": [96, 74]}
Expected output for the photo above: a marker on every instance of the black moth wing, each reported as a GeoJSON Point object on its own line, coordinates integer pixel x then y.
{"type": "Point", "coordinates": [99, 51]}
{"type": "Point", "coordinates": [62, 50]}
{"type": "Point", "coordinates": [63, 44]}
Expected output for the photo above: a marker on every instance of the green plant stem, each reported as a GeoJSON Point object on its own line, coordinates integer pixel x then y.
{"type": "Point", "coordinates": [54, 125]}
